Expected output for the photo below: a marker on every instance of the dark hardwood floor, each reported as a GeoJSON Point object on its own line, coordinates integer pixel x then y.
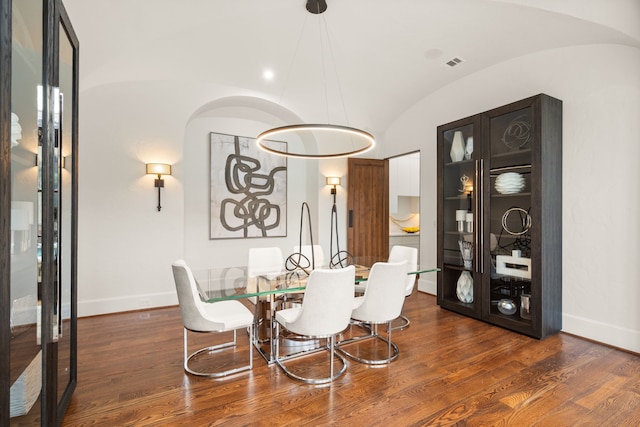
{"type": "Point", "coordinates": [452, 370]}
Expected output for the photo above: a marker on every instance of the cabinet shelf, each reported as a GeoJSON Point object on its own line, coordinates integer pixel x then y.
{"type": "Point", "coordinates": [459, 233]}
{"type": "Point", "coordinates": [465, 305]}
{"type": "Point", "coordinates": [494, 172]}
{"type": "Point", "coordinates": [457, 267]}
{"type": "Point", "coordinates": [459, 163]}
{"type": "Point", "coordinates": [513, 318]}
{"type": "Point", "coordinates": [513, 195]}
{"type": "Point", "coordinates": [515, 153]}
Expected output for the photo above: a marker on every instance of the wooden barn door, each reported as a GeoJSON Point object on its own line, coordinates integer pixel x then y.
{"type": "Point", "coordinates": [368, 208]}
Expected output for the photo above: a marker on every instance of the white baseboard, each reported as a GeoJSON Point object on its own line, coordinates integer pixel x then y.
{"type": "Point", "coordinates": [428, 286]}
{"type": "Point", "coordinates": [116, 305]}
{"type": "Point", "coordinates": [605, 333]}
{"type": "Point", "coordinates": [613, 335]}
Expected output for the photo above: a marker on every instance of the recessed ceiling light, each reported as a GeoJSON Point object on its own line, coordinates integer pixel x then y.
{"type": "Point", "coordinates": [267, 75]}
{"type": "Point", "coordinates": [432, 53]}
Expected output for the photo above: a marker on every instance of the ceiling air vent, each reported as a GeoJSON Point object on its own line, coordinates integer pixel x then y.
{"type": "Point", "coordinates": [454, 62]}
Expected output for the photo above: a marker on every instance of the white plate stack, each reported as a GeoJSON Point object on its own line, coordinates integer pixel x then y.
{"type": "Point", "coordinates": [509, 183]}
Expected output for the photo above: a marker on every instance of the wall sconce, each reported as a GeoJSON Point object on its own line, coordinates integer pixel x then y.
{"type": "Point", "coordinates": [334, 181]}
{"type": "Point", "coordinates": [158, 169]}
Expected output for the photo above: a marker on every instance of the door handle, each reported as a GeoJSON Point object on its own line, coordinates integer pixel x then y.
{"type": "Point", "coordinates": [350, 218]}
{"type": "Point", "coordinates": [479, 207]}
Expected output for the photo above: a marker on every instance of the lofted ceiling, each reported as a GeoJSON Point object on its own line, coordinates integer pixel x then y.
{"type": "Point", "coordinates": [380, 59]}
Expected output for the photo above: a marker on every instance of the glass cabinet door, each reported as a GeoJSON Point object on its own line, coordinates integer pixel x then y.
{"type": "Point", "coordinates": [66, 220]}
{"type": "Point", "coordinates": [460, 166]}
{"type": "Point", "coordinates": [39, 287]}
{"type": "Point", "coordinates": [25, 346]}
{"type": "Point", "coordinates": [510, 240]}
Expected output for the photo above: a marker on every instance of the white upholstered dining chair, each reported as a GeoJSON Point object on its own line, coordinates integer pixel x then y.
{"type": "Point", "coordinates": [313, 253]}
{"type": "Point", "coordinates": [265, 261]}
{"type": "Point", "coordinates": [200, 316]}
{"type": "Point", "coordinates": [400, 253]}
{"type": "Point", "coordinates": [381, 303]}
{"type": "Point", "coordinates": [324, 313]}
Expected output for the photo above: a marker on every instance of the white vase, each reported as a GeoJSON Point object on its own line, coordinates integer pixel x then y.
{"type": "Point", "coordinates": [457, 147]}
{"type": "Point", "coordinates": [468, 151]}
{"type": "Point", "coordinates": [464, 287]}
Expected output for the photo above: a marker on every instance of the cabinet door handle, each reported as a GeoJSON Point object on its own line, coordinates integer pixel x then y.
{"type": "Point", "coordinates": [479, 208]}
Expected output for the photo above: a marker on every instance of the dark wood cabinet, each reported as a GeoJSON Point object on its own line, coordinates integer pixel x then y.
{"type": "Point", "coordinates": [500, 216]}
{"type": "Point", "coordinates": [38, 211]}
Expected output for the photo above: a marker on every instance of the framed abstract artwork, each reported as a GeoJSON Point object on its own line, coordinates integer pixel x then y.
{"type": "Point", "coordinates": [248, 191]}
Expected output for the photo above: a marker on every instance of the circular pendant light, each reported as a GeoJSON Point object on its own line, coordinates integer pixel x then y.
{"type": "Point", "coordinates": [317, 141]}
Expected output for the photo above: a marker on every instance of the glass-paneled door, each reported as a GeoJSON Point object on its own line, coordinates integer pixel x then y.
{"type": "Point", "coordinates": [38, 207]}
{"type": "Point", "coordinates": [67, 200]}
{"type": "Point", "coordinates": [25, 296]}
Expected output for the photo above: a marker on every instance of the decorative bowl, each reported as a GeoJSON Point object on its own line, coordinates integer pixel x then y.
{"type": "Point", "coordinates": [411, 229]}
{"type": "Point", "coordinates": [510, 183]}
{"type": "Point", "coordinates": [507, 306]}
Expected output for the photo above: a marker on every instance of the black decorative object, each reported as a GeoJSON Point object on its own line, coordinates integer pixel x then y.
{"type": "Point", "coordinates": [298, 260]}
{"type": "Point", "coordinates": [518, 133]}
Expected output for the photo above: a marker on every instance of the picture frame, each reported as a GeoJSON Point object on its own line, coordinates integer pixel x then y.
{"type": "Point", "coordinates": [248, 189]}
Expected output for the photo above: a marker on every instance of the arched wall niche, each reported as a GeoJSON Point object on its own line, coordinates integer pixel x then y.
{"type": "Point", "coordinates": [243, 116]}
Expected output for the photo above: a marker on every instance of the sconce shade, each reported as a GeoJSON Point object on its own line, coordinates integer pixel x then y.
{"type": "Point", "coordinates": [333, 180]}
{"type": "Point", "coordinates": [158, 169]}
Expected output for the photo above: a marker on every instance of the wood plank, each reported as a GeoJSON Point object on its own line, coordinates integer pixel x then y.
{"type": "Point", "coordinates": [451, 370]}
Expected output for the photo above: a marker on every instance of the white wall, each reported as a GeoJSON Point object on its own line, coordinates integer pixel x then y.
{"type": "Point", "coordinates": [126, 245]}
{"type": "Point", "coordinates": [600, 89]}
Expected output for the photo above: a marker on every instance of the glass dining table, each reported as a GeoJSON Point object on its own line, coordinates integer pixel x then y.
{"type": "Point", "coordinates": [266, 292]}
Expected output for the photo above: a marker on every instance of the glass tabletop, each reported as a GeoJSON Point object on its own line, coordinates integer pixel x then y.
{"type": "Point", "coordinates": [226, 283]}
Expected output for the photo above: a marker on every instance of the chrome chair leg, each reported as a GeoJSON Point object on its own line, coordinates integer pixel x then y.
{"type": "Point", "coordinates": [404, 325]}
{"type": "Point", "coordinates": [392, 349]}
{"type": "Point", "coordinates": [331, 352]}
{"type": "Point", "coordinates": [389, 340]}
{"type": "Point", "coordinates": [215, 348]}
{"type": "Point", "coordinates": [330, 346]}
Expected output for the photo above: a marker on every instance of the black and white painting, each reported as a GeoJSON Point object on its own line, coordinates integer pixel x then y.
{"type": "Point", "coordinates": [248, 189]}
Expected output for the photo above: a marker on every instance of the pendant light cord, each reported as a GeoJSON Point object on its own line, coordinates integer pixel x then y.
{"type": "Point", "coordinates": [293, 60]}
{"type": "Point", "coordinates": [322, 21]}
{"type": "Point", "coordinates": [356, 141]}
{"type": "Point", "coordinates": [335, 71]}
